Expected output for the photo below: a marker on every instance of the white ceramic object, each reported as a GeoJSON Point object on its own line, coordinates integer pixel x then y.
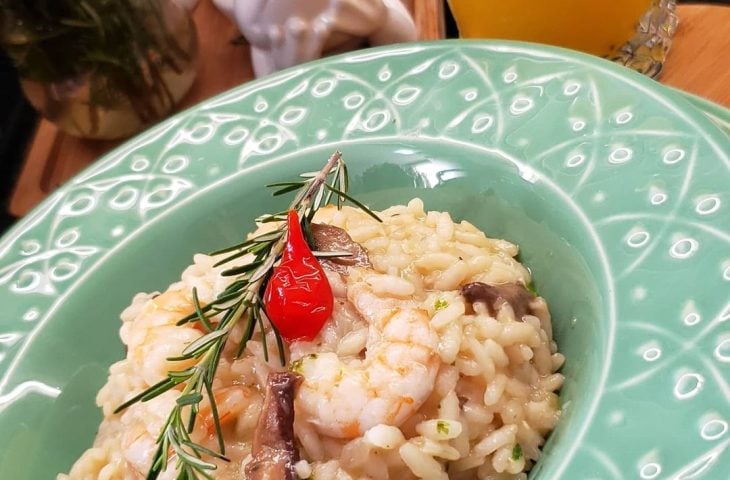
{"type": "Point", "coordinates": [283, 33]}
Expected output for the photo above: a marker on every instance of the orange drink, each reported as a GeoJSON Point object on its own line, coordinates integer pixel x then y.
{"type": "Point", "coordinates": [600, 27]}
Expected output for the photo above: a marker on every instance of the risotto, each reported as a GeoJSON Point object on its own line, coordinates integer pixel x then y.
{"type": "Point", "coordinates": [437, 362]}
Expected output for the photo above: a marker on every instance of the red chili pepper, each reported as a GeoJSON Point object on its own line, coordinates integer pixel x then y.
{"type": "Point", "coordinates": [298, 298]}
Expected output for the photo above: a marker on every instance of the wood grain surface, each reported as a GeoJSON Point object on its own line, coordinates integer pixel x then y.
{"type": "Point", "coordinates": [699, 62]}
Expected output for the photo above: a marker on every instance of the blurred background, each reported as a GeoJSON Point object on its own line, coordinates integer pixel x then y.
{"type": "Point", "coordinates": [36, 156]}
{"type": "Point", "coordinates": [17, 123]}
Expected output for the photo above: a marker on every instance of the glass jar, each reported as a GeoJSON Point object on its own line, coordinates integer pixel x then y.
{"type": "Point", "coordinates": [103, 69]}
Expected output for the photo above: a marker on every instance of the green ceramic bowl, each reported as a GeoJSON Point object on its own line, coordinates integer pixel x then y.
{"type": "Point", "coordinates": [616, 190]}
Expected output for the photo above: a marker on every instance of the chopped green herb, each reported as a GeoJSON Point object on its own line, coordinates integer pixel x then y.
{"type": "Point", "coordinates": [531, 288]}
{"type": "Point", "coordinates": [517, 452]}
{"type": "Point", "coordinates": [440, 304]}
{"type": "Point", "coordinates": [296, 366]}
{"type": "Point", "coordinates": [442, 427]}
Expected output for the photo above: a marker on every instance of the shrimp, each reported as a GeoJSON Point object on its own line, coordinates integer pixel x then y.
{"type": "Point", "coordinates": [230, 402]}
{"type": "Point", "coordinates": [343, 399]}
{"type": "Point", "coordinates": [153, 336]}
{"type": "Point", "coordinates": [150, 329]}
{"type": "Point", "coordinates": [142, 422]}
{"type": "Point", "coordinates": [140, 426]}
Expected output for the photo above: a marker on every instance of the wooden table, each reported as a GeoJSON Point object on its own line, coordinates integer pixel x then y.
{"type": "Point", "coordinates": [699, 62]}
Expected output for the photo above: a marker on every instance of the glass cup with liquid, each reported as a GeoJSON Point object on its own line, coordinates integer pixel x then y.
{"type": "Point", "coordinates": [636, 33]}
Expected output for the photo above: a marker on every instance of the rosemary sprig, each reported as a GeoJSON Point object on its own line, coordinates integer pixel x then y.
{"type": "Point", "coordinates": [240, 301]}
